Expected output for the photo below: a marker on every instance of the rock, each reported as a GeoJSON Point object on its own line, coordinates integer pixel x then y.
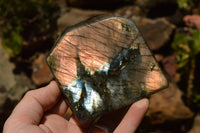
{"type": "Point", "coordinates": [129, 11]}
{"type": "Point", "coordinates": [153, 3]}
{"type": "Point", "coordinates": [74, 16]}
{"type": "Point", "coordinates": [156, 32]}
{"type": "Point", "coordinates": [93, 3]}
{"type": "Point", "coordinates": [161, 8]}
{"type": "Point", "coordinates": [142, 3]}
{"type": "Point", "coordinates": [41, 74]}
{"type": "Point", "coordinates": [7, 79]}
{"type": "Point", "coordinates": [192, 21]}
{"type": "Point", "coordinates": [159, 57]}
{"type": "Point", "coordinates": [196, 125]}
{"type": "Point", "coordinates": [10, 83]}
{"type": "Point", "coordinates": [104, 64]}
{"type": "Point", "coordinates": [18, 90]}
{"type": "Point", "coordinates": [11, 96]}
{"type": "Point", "coordinates": [62, 6]}
{"type": "Point", "coordinates": [170, 66]}
{"type": "Point", "coordinates": [167, 105]}
{"type": "Point", "coordinates": [12, 87]}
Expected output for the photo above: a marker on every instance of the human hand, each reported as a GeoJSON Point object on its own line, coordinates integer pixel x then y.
{"type": "Point", "coordinates": [42, 111]}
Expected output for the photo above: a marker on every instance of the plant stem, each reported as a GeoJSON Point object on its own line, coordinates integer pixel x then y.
{"type": "Point", "coordinates": [191, 79]}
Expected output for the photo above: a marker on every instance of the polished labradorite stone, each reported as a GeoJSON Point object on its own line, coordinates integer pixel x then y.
{"type": "Point", "coordinates": [103, 64]}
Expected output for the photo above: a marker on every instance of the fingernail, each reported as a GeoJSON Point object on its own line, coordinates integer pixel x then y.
{"type": "Point", "coordinates": [142, 103]}
{"type": "Point", "coordinates": [52, 82]}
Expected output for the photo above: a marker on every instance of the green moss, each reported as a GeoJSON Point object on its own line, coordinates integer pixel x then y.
{"type": "Point", "coordinates": [20, 20]}
{"type": "Point", "coordinates": [185, 4]}
{"type": "Point", "coordinates": [13, 44]}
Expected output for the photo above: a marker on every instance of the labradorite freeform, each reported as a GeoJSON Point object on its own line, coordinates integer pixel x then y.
{"type": "Point", "coordinates": [103, 64]}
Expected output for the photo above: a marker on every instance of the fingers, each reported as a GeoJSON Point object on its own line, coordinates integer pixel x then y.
{"type": "Point", "coordinates": [60, 108]}
{"type": "Point", "coordinates": [133, 117]}
{"type": "Point", "coordinates": [31, 108]}
{"type": "Point", "coordinates": [57, 124]}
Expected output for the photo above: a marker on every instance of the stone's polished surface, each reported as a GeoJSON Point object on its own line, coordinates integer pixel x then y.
{"type": "Point", "coordinates": [104, 64]}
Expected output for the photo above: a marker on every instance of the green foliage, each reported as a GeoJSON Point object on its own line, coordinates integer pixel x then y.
{"type": "Point", "coordinates": [13, 44]}
{"type": "Point", "coordinates": [187, 47]}
{"type": "Point", "coordinates": [180, 45]}
{"type": "Point", "coordinates": [196, 97]}
{"type": "Point", "coordinates": [196, 42]}
{"type": "Point", "coordinates": [185, 4]}
{"type": "Point", "coordinates": [20, 20]}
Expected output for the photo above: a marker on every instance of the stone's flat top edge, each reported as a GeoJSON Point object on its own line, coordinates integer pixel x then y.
{"type": "Point", "coordinates": [88, 21]}
{"type": "Point", "coordinates": [93, 20]}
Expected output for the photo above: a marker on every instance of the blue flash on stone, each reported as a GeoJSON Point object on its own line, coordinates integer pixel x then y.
{"type": "Point", "coordinates": [104, 64]}
{"type": "Point", "coordinates": [93, 99]}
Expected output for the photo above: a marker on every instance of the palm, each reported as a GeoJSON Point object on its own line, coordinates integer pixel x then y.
{"type": "Point", "coordinates": [57, 124]}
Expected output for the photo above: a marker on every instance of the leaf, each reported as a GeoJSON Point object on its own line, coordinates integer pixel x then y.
{"type": "Point", "coordinates": [19, 18]}
{"type": "Point", "coordinates": [181, 44]}
{"type": "Point", "coordinates": [13, 44]}
{"type": "Point", "coordinates": [183, 4]}
{"type": "Point", "coordinates": [196, 42]}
